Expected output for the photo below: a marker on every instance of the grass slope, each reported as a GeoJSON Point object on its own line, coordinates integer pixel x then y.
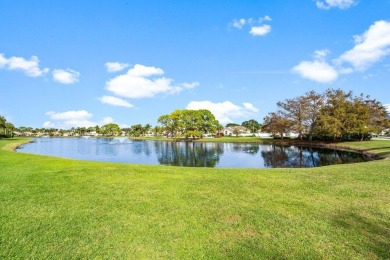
{"type": "Point", "coordinates": [59, 208]}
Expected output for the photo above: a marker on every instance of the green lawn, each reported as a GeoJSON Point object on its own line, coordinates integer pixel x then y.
{"type": "Point", "coordinates": [59, 208]}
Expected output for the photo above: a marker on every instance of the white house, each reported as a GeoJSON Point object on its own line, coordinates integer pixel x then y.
{"type": "Point", "coordinates": [236, 130]}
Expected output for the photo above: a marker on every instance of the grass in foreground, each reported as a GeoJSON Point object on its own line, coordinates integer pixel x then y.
{"type": "Point", "coordinates": [58, 208]}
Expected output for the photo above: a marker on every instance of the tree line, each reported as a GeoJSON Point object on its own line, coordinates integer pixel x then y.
{"type": "Point", "coordinates": [332, 115]}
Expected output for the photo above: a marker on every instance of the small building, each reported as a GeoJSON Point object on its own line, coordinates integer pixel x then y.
{"type": "Point", "coordinates": [236, 131]}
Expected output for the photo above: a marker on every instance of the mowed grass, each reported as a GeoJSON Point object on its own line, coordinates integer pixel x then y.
{"type": "Point", "coordinates": [59, 208]}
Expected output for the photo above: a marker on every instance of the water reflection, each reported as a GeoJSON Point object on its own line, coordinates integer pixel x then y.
{"type": "Point", "coordinates": [194, 154]}
{"type": "Point", "coordinates": [188, 153]}
{"type": "Point", "coordinates": [292, 156]}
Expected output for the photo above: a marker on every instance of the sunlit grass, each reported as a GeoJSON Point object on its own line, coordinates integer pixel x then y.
{"type": "Point", "coordinates": [58, 208]}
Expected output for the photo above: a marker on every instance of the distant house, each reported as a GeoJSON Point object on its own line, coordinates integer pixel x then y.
{"type": "Point", "coordinates": [16, 133]}
{"type": "Point", "coordinates": [236, 131]}
{"type": "Point", "coordinates": [291, 134]}
{"type": "Point", "coordinates": [385, 131]}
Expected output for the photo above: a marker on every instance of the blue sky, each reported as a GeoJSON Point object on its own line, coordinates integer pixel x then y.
{"type": "Point", "coordinates": [82, 63]}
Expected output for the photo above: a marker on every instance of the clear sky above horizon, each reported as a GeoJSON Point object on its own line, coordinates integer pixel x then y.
{"type": "Point", "coordinates": [72, 63]}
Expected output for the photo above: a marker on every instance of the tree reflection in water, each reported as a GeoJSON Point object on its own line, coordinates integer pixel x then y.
{"type": "Point", "coordinates": [194, 154]}
{"type": "Point", "coordinates": [292, 156]}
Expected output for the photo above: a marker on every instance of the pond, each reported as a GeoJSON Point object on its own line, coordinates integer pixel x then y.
{"type": "Point", "coordinates": [194, 154]}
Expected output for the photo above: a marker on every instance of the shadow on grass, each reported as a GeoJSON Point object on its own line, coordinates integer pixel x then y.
{"type": "Point", "coordinates": [373, 232]}
{"type": "Point", "coordinates": [378, 148]}
{"type": "Point", "coordinates": [380, 151]}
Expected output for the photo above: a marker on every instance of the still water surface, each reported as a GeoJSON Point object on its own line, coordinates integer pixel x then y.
{"type": "Point", "coordinates": [194, 154]}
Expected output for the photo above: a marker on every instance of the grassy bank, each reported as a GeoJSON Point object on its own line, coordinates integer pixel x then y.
{"type": "Point", "coordinates": [58, 208]}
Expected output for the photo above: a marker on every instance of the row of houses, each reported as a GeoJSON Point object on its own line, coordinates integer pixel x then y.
{"type": "Point", "coordinates": [63, 134]}
{"type": "Point", "coordinates": [227, 131]}
{"type": "Point", "coordinates": [243, 131]}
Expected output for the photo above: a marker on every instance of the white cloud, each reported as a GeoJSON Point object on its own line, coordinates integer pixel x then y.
{"type": "Point", "coordinates": [257, 27]}
{"type": "Point", "coordinates": [260, 30]}
{"type": "Point", "coordinates": [267, 18]}
{"type": "Point", "coordinates": [387, 106]}
{"type": "Point", "coordinates": [69, 119]}
{"type": "Point", "coordinates": [114, 101]}
{"type": "Point", "coordinates": [239, 23]}
{"type": "Point", "coordinates": [30, 67]}
{"type": "Point", "coordinates": [370, 47]}
{"type": "Point", "coordinates": [321, 54]}
{"type": "Point", "coordinates": [342, 4]}
{"type": "Point", "coordinates": [74, 118]}
{"type": "Point", "coordinates": [250, 107]}
{"type": "Point", "coordinates": [189, 85]}
{"type": "Point", "coordinates": [49, 124]}
{"type": "Point", "coordinates": [319, 71]}
{"type": "Point", "coordinates": [144, 71]}
{"type": "Point", "coordinates": [67, 76]}
{"type": "Point", "coordinates": [224, 111]}
{"type": "Point", "coordinates": [116, 66]}
{"type": "Point", "coordinates": [106, 120]}
{"type": "Point", "coordinates": [3, 61]}
{"type": "Point", "coordinates": [70, 115]}
{"type": "Point", "coordinates": [142, 81]}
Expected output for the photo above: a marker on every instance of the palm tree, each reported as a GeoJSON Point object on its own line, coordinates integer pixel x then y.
{"type": "Point", "coordinates": [2, 124]}
{"type": "Point", "coordinates": [9, 129]}
{"type": "Point", "coordinates": [146, 129]}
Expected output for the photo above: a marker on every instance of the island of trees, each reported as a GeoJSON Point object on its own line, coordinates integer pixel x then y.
{"type": "Point", "coordinates": [334, 115]}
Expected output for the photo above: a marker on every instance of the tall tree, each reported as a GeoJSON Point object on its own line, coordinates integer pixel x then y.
{"type": "Point", "coordinates": [189, 123]}
{"type": "Point", "coordinates": [111, 129]}
{"type": "Point", "coordinates": [252, 125]}
{"type": "Point", "coordinates": [276, 124]}
{"type": "Point", "coordinates": [2, 124]}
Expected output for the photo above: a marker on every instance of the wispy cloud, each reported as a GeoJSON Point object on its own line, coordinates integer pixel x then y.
{"type": "Point", "coordinates": [341, 4]}
{"type": "Point", "coordinates": [67, 76]}
{"type": "Point", "coordinates": [116, 66]}
{"type": "Point", "coordinates": [238, 23]}
{"type": "Point", "coordinates": [257, 26]}
{"type": "Point", "coordinates": [114, 101]}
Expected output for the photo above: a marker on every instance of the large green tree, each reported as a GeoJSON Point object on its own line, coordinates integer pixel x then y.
{"type": "Point", "coordinates": [110, 129]}
{"type": "Point", "coordinates": [189, 123]}
{"type": "Point", "coordinates": [252, 125]}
